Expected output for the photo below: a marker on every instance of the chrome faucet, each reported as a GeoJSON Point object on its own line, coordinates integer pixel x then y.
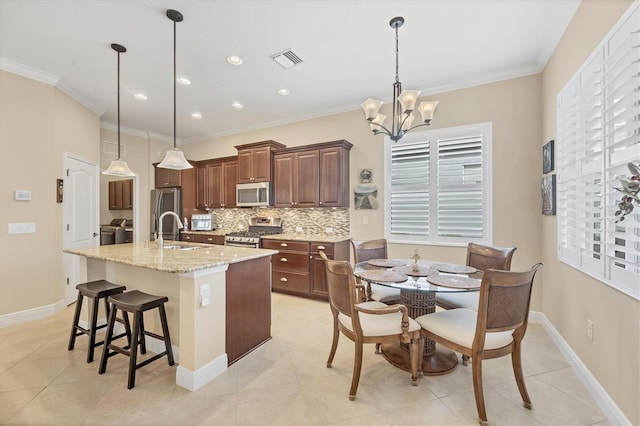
{"type": "Point", "coordinates": [159, 240]}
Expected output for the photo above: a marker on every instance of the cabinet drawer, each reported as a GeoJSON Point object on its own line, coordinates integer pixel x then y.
{"type": "Point", "coordinates": [289, 281]}
{"type": "Point", "coordinates": [291, 261]}
{"type": "Point", "coordinates": [325, 247]}
{"type": "Point", "coordinates": [286, 245]}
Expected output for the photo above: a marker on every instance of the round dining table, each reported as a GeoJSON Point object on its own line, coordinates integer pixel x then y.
{"type": "Point", "coordinates": [418, 284]}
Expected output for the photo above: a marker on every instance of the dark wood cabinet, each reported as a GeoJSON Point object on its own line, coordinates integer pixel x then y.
{"type": "Point", "coordinates": [248, 307]}
{"type": "Point", "coordinates": [312, 176]}
{"type": "Point", "coordinates": [216, 183]}
{"type": "Point", "coordinates": [254, 161]}
{"type": "Point", "coordinates": [121, 194]}
{"type": "Point", "coordinates": [298, 268]}
{"type": "Point", "coordinates": [167, 178]}
{"type": "Point", "coordinates": [203, 238]}
{"type": "Point", "coordinates": [295, 179]}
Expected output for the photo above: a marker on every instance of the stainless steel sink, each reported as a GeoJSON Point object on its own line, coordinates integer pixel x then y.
{"type": "Point", "coordinates": [180, 247]}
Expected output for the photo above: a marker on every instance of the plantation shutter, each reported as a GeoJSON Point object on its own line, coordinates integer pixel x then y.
{"type": "Point", "coordinates": [410, 188]}
{"type": "Point", "coordinates": [460, 200]}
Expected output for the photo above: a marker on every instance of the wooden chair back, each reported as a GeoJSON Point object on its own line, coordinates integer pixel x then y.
{"type": "Point", "coordinates": [367, 250]}
{"type": "Point", "coordinates": [341, 286]}
{"type": "Point", "coordinates": [485, 257]}
{"type": "Point", "coordinates": [504, 303]}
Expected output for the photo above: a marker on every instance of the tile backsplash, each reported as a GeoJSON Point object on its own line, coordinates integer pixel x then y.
{"type": "Point", "coordinates": [312, 221]}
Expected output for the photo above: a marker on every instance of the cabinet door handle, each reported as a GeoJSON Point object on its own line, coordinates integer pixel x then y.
{"type": "Point", "coordinates": [321, 248]}
{"type": "Point", "coordinates": [210, 239]}
{"type": "Point", "coordinates": [284, 245]}
{"type": "Point", "coordinates": [283, 279]}
{"type": "Point", "coordinates": [320, 202]}
{"type": "Point", "coordinates": [283, 260]}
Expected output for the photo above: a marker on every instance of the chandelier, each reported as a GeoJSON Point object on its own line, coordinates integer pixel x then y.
{"type": "Point", "coordinates": [403, 105]}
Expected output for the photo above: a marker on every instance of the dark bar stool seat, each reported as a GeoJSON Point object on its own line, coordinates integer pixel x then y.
{"type": "Point", "coordinates": [136, 303]}
{"type": "Point", "coordinates": [95, 290]}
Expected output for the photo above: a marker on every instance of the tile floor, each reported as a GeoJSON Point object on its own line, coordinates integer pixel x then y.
{"type": "Point", "coordinates": [284, 382]}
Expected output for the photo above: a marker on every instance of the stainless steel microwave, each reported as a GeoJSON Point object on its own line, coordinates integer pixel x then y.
{"type": "Point", "coordinates": [253, 194]}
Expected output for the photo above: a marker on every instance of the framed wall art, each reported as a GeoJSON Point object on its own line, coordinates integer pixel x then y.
{"type": "Point", "coordinates": [549, 195]}
{"type": "Point", "coordinates": [547, 157]}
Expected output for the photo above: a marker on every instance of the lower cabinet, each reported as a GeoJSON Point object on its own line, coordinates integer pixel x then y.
{"type": "Point", "coordinates": [298, 268]}
{"type": "Point", "coordinates": [203, 238]}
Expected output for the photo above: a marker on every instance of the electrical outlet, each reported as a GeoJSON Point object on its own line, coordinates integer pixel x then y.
{"type": "Point", "coordinates": [590, 329]}
{"type": "Point", "coordinates": [298, 229]}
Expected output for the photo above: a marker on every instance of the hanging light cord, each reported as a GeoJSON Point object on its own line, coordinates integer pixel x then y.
{"type": "Point", "coordinates": [397, 75]}
{"type": "Point", "coordinates": [118, 105]}
{"type": "Point", "coordinates": [174, 84]}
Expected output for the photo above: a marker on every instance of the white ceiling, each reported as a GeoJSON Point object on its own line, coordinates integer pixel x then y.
{"type": "Point", "coordinates": [347, 47]}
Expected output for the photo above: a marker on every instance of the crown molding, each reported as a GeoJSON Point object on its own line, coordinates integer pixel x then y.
{"type": "Point", "coordinates": [50, 79]}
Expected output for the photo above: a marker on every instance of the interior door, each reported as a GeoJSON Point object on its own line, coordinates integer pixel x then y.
{"type": "Point", "coordinates": [80, 221]}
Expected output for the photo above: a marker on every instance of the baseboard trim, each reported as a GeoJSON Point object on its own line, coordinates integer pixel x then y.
{"type": "Point", "coordinates": [599, 394]}
{"type": "Point", "coordinates": [194, 380]}
{"type": "Point", "coordinates": [31, 314]}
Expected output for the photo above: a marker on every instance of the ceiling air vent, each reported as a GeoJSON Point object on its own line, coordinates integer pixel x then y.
{"type": "Point", "coordinates": [286, 59]}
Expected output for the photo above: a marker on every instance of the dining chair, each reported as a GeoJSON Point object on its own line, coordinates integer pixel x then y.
{"type": "Point", "coordinates": [480, 257]}
{"type": "Point", "coordinates": [495, 330]}
{"type": "Point", "coordinates": [367, 322]}
{"type": "Point", "coordinates": [374, 249]}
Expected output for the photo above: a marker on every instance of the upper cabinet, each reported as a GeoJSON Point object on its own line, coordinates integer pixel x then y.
{"type": "Point", "coordinates": [121, 194]}
{"type": "Point", "coordinates": [167, 178]}
{"type": "Point", "coordinates": [216, 183]}
{"type": "Point", "coordinates": [312, 175]}
{"type": "Point", "coordinates": [254, 161]}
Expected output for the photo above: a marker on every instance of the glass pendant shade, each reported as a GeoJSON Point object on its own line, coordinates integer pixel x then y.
{"type": "Point", "coordinates": [408, 121]}
{"type": "Point", "coordinates": [118, 168]}
{"type": "Point", "coordinates": [427, 108]}
{"type": "Point", "coordinates": [377, 122]}
{"type": "Point", "coordinates": [174, 159]}
{"type": "Point", "coordinates": [408, 100]}
{"type": "Point", "coordinates": [371, 108]}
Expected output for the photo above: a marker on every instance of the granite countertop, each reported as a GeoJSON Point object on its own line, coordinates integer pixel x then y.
{"type": "Point", "coordinates": [317, 238]}
{"type": "Point", "coordinates": [174, 261]}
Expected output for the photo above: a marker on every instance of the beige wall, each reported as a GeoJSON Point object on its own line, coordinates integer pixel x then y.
{"type": "Point", "coordinates": [514, 108]}
{"type": "Point", "coordinates": [571, 297]}
{"type": "Point", "coordinates": [38, 123]}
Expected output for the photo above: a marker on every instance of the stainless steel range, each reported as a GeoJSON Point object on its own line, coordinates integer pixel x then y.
{"type": "Point", "coordinates": [258, 226]}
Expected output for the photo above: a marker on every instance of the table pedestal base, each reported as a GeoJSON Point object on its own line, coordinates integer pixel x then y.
{"type": "Point", "coordinates": [441, 361]}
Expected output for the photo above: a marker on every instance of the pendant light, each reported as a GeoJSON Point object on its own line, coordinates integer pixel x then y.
{"type": "Point", "coordinates": [118, 167]}
{"type": "Point", "coordinates": [174, 158]}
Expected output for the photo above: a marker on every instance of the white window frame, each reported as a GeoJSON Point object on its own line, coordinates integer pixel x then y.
{"type": "Point", "coordinates": [482, 130]}
{"type": "Point", "coordinates": [598, 133]}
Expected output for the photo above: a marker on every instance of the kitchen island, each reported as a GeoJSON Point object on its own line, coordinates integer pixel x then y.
{"type": "Point", "coordinates": [219, 305]}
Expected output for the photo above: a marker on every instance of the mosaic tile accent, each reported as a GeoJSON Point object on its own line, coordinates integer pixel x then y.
{"type": "Point", "coordinates": [312, 221]}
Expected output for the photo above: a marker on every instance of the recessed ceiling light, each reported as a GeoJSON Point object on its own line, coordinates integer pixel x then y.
{"type": "Point", "coordinates": [139, 95]}
{"type": "Point", "coordinates": [237, 105]}
{"type": "Point", "coordinates": [196, 115]}
{"type": "Point", "coordinates": [234, 60]}
{"type": "Point", "coordinates": [183, 80]}
{"type": "Point", "coordinates": [283, 92]}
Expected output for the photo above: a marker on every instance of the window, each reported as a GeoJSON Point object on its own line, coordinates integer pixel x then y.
{"type": "Point", "coordinates": [598, 114]}
{"type": "Point", "coordinates": [439, 187]}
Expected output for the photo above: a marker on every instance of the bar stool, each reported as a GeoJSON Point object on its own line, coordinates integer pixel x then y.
{"type": "Point", "coordinates": [95, 290]}
{"type": "Point", "coordinates": [136, 303]}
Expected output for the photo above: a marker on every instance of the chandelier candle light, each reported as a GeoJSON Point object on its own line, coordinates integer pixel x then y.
{"type": "Point", "coordinates": [118, 167]}
{"type": "Point", "coordinates": [403, 104]}
{"type": "Point", "coordinates": [174, 158]}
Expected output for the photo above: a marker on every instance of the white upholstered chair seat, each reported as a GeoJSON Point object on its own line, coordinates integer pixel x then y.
{"type": "Point", "coordinates": [381, 293]}
{"type": "Point", "coordinates": [467, 300]}
{"type": "Point", "coordinates": [459, 326]}
{"type": "Point", "coordinates": [378, 325]}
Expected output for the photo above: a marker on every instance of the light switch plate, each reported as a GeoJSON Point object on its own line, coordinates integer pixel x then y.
{"type": "Point", "coordinates": [21, 228]}
{"type": "Point", "coordinates": [23, 195]}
